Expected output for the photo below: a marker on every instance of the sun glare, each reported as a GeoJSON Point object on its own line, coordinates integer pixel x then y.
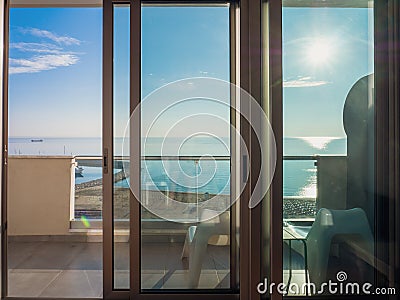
{"type": "Point", "coordinates": [319, 52]}
{"type": "Point", "coordinates": [318, 142]}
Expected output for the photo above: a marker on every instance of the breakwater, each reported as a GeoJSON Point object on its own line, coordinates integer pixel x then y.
{"type": "Point", "coordinates": [98, 182]}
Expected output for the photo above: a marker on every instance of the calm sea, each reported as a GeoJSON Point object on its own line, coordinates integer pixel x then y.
{"type": "Point", "coordinates": [299, 176]}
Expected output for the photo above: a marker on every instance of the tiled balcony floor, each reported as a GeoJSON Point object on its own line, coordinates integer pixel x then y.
{"type": "Point", "coordinates": [64, 269]}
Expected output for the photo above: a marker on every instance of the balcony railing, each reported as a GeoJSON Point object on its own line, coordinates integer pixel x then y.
{"type": "Point", "coordinates": [179, 178]}
{"type": "Point", "coordinates": [56, 187]}
{"type": "Point", "coordinates": [300, 183]}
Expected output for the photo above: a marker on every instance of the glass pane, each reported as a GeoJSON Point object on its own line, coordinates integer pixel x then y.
{"type": "Point", "coordinates": [328, 194]}
{"type": "Point", "coordinates": [121, 191]}
{"type": "Point", "coordinates": [54, 167]}
{"type": "Point", "coordinates": [179, 172]}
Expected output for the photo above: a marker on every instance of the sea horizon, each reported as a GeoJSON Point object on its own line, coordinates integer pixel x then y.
{"type": "Point", "coordinates": [29, 145]}
{"type": "Point", "coordinates": [299, 176]}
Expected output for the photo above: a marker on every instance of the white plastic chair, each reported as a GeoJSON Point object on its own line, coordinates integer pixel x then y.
{"type": "Point", "coordinates": [350, 225]}
{"type": "Point", "coordinates": [213, 230]}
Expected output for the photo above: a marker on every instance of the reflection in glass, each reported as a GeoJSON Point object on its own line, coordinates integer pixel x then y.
{"type": "Point", "coordinates": [328, 206]}
{"type": "Point", "coordinates": [179, 250]}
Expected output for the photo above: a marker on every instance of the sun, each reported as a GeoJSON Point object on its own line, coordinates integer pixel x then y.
{"type": "Point", "coordinates": [319, 52]}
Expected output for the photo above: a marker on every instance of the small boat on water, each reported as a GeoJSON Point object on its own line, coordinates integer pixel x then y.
{"type": "Point", "coordinates": [36, 140]}
{"type": "Point", "coordinates": [78, 171]}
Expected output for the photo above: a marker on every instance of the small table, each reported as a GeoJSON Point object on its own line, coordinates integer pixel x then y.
{"type": "Point", "coordinates": [291, 235]}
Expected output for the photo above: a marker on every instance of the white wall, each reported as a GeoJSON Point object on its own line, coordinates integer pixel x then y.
{"type": "Point", "coordinates": [40, 195]}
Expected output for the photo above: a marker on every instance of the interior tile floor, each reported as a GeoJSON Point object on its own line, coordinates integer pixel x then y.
{"type": "Point", "coordinates": [74, 270]}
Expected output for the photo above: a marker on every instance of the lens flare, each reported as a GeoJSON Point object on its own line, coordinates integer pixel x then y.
{"type": "Point", "coordinates": [85, 221]}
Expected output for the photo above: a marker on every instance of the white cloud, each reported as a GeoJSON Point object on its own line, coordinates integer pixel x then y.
{"type": "Point", "coordinates": [303, 82]}
{"type": "Point", "coordinates": [36, 47]}
{"type": "Point", "coordinates": [41, 63]}
{"type": "Point", "coordinates": [66, 40]}
{"type": "Point", "coordinates": [37, 56]}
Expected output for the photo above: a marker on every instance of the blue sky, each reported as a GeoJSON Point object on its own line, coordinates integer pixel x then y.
{"type": "Point", "coordinates": [55, 72]}
{"type": "Point", "coordinates": [177, 43]}
{"type": "Point", "coordinates": [325, 51]}
{"type": "Point", "coordinates": [55, 64]}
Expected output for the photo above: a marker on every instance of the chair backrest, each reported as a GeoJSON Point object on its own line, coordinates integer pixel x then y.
{"type": "Point", "coordinates": [215, 226]}
{"type": "Point", "coordinates": [358, 123]}
{"type": "Point", "coordinates": [335, 222]}
{"type": "Point", "coordinates": [351, 223]}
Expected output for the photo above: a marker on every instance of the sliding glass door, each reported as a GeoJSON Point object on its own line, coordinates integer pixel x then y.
{"type": "Point", "coordinates": [52, 174]}
{"type": "Point", "coordinates": [328, 145]}
{"type": "Point", "coordinates": [173, 190]}
{"type": "Point", "coordinates": [168, 122]}
{"type": "Point", "coordinates": [332, 210]}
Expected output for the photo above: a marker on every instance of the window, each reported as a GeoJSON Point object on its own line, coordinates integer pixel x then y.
{"type": "Point", "coordinates": [328, 146]}
{"type": "Point", "coordinates": [54, 171]}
